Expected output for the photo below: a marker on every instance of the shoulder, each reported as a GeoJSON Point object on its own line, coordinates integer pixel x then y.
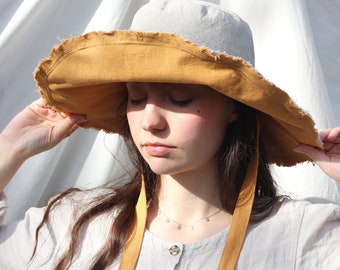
{"type": "Point", "coordinates": [318, 242]}
{"type": "Point", "coordinates": [304, 214]}
{"type": "Point", "coordinates": [80, 210]}
{"type": "Point", "coordinates": [54, 235]}
{"type": "Point", "coordinates": [296, 234]}
{"type": "Point", "coordinates": [308, 206]}
{"type": "Point", "coordinates": [77, 202]}
{"type": "Point", "coordinates": [302, 210]}
{"type": "Point", "coordinates": [79, 197]}
{"type": "Point", "coordinates": [292, 216]}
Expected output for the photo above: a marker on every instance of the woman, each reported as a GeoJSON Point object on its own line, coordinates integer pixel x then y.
{"type": "Point", "coordinates": [202, 128]}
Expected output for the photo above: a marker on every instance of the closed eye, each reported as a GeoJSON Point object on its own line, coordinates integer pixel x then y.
{"type": "Point", "coordinates": [138, 101]}
{"type": "Point", "coordinates": [181, 103]}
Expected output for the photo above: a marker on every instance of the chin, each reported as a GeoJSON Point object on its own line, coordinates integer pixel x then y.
{"type": "Point", "coordinates": [164, 170]}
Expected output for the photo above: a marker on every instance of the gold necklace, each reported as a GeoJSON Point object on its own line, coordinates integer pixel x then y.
{"type": "Point", "coordinates": [188, 226]}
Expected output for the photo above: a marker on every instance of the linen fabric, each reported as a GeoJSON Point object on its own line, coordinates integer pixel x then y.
{"type": "Point", "coordinates": [201, 22]}
{"type": "Point", "coordinates": [299, 235]}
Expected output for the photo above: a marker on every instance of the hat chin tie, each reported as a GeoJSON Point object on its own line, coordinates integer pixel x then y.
{"type": "Point", "coordinates": [237, 231]}
{"type": "Point", "coordinates": [134, 244]}
{"type": "Point", "coordinates": [242, 212]}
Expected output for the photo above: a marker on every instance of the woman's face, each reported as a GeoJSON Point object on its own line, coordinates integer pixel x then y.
{"type": "Point", "coordinates": [178, 127]}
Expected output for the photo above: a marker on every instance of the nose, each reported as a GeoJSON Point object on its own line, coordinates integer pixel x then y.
{"type": "Point", "coordinates": [153, 118]}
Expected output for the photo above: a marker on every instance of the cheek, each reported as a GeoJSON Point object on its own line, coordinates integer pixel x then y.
{"type": "Point", "coordinates": [210, 126]}
{"type": "Point", "coordinates": [201, 132]}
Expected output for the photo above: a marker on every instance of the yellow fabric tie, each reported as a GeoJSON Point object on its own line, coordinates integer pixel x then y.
{"type": "Point", "coordinates": [241, 216]}
{"type": "Point", "coordinates": [240, 220]}
{"type": "Point", "coordinates": [134, 243]}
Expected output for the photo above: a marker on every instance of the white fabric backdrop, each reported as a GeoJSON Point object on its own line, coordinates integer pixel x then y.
{"type": "Point", "coordinates": [296, 47]}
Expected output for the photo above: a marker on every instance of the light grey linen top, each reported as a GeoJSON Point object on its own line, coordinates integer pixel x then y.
{"type": "Point", "coordinates": [299, 235]}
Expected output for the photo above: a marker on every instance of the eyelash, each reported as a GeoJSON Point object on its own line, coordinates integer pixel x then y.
{"type": "Point", "coordinates": [179, 103]}
{"type": "Point", "coordinates": [136, 102]}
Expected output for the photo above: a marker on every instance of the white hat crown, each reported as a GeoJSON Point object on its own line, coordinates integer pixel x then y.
{"type": "Point", "coordinates": [201, 22]}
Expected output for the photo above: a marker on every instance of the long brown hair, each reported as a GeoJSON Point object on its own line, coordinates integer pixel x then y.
{"type": "Point", "coordinates": [235, 153]}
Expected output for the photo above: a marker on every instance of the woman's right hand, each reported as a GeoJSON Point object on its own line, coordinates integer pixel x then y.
{"type": "Point", "coordinates": [38, 128]}
{"type": "Point", "coordinates": [33, 130]}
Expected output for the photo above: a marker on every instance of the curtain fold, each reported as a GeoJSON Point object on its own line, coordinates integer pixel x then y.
{"type": "Point", "coordinates": [296, 47]}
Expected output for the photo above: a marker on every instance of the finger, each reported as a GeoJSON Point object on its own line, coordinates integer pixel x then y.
{"type": "Point", "coordinates": [332, 134]}
{"type": "Point", "coordinates": [78, 118]}
{"type": "Point", "coordinates": [323, 134]}
{"type": "Point", "coordinates": [63, 131]}
{"type": "Point", "coordinates": [327, 145]}
{"type": "Point", "coordinates": [313, 153]}
{"type": "Point", "coordinates": [67, 126]}
{"type": "Point", "coordinates": [334, 150]}
{"type": "Point", "coordinates": [323, 160]}
{"type": "Point", "coordinates": [40, 102]}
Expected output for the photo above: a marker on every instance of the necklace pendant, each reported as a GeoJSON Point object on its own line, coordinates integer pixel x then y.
{"type": "Point", "coordinates": [179, 227]}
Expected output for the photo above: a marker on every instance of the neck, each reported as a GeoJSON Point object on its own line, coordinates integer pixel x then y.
{"type": "Point", "coordinates": [188, 197]}
{"type": "Point", "coordinates": [184, 199]}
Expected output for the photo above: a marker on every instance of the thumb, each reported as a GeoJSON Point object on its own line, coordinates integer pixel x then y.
{"type": "Point", "coordinates": [67, 126]}
{"type": "Point", "coordinates": [313, 153]}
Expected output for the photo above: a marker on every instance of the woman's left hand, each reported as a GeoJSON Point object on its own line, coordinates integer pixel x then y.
{"type": "Point", "coordinates": [327, 159]}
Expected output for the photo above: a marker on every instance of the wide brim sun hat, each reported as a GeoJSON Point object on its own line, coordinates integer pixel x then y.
{"type": "Point", "coordinates": [175, 41]}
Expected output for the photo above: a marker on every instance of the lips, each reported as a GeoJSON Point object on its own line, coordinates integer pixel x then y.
{"type": "Point", "coordinates": [157, 149]}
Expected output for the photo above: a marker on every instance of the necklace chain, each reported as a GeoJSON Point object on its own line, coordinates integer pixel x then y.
{"type": "Point", "coordinates": [189, 226]}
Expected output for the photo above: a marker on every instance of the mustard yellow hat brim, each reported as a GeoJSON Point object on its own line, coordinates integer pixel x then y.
{"type": "Point", "coordinates": [87, 75]}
